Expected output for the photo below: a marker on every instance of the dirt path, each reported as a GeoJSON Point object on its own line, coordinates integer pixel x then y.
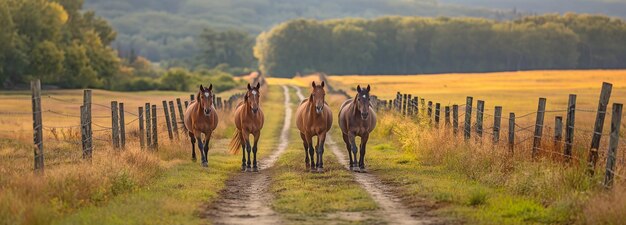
{"type": "Point", "coordinates": [393, 211]}
{"type": "Point", "coordinates": [246, 198]}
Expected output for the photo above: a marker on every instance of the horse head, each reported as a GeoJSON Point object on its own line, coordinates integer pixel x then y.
{"type": "Point", "coordinates": [317, 97]}
{"type": "Point", "coordinates": [205, 98]}
{"type": "Point", "coordinates": [252, 97]}
{"type": "Point", "coordinates": [362, 101]}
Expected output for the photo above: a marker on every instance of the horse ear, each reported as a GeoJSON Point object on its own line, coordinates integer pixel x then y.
{"type": "Point", "coordinates": [249, 88]}
{"type": "Point", "coordinates": [201, 88]}
{"type": "Point", "coordinates": [258, 85]}
{"type": "Point", "coordinates": [210, 87]}
{"type": "Point", "coordinates": [358, 88]}
{"type": "Point", "coordinates": [313, 84]}
{"type": "Point", "coordinates": [368, 88]}
{"type": "Point", "coordinates": [322, 83]}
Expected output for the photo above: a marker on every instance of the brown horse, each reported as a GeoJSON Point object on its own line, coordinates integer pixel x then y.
{"type": "Point", "coordinates": [248, 120]}
{"type": "Point", "coordinates": [314, 118]}
{"type": "Point", "coordinates": [357, 118]}
{"type": "Point", "coordinates": [201, 118]}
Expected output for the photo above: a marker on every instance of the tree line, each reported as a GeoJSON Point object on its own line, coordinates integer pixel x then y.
{"type": "Point", "coordinates": [413, 45]}
{"type": "Point", "coordinates": [65, 46]}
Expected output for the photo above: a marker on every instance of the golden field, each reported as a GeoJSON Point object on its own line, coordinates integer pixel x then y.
{"type": "Point", "coordinates": [516, 92]}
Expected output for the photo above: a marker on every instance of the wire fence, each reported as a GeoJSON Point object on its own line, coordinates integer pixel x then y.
{"type": "Point", "coordinates": [524, 137]}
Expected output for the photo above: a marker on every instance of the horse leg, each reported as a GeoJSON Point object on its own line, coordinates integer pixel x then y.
{"type": "Point", "coordinates": [309, 140]}
{"type": "Point", "coordinates": [306, 154]}
{"type": "Point", "coordinates": [321, 139]}
{"type": "Point", "coordinates": [193, 146]}
{"type": "Point", "coordinates": [354, 149]}
{"type": "Point", "coordinates": [200, 147]}
{"type": "Point", "coordinates": [362, 153]}
{"type": "Point", "coordinates": [345, 140]}
{"type": "Point", "coordinates": [243, 156]}
{"type": "Point", "coordinates": [207, 139]}
{"type": "Point", "coordinates": [246, 141]}
{"type": "Point", "coordinates": [256, 135]}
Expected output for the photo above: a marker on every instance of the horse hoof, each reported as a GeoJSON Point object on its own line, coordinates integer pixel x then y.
{"type": "Point", "coordinates": [243, 168]}
{"type": "Point", "coordinates": [205, 164]}
{"type": "Point", "coordinates": [362, 170]}
{"type": "Point", "coordinates": [320, 170]}
{"type": "Point", "coordinates": [313, 170]}
{"type": "Point", "coordinates": [194, 159]}
{"type": "Point", "coordinates": [255, 169]}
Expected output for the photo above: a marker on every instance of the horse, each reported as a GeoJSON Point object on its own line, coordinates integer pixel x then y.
{"type": "Point", "coordinates": [314, 118]}
{"type": "Point", "coordinates": [357, 118]}
{"type": "Point", "coordinates": [249, 119]}
{"type": "Point", "coordinates": [201, 118]}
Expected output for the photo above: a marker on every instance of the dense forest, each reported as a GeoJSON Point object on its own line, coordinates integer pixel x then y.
{"type": "Point", "coordinates": [412, 45]}
{"type": "Point", "coordinates": [163, 30]}
{"type": "Point", "coordinates": [64, 46]}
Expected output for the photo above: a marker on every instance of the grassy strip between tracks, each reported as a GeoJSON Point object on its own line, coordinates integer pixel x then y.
{"type": "Point", "coordinates": [305, 197]}
{"type": "Point", "coordinates": [176, 196]}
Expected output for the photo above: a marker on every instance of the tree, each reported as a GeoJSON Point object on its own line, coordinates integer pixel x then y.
{"type": "Point", "coordinates": [231, 47]}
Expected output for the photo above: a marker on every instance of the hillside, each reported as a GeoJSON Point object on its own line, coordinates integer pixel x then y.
{"type": "Point", "coordinates": [140, 23]}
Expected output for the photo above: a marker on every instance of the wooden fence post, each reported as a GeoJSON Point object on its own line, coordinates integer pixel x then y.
{"type": "Point", "coordinates": [511, 132]}
{"type": "Point", "coordinates": [115, 123]}
{"type": "Point", "coordinates": [558, 132]}
{"type": "Point", "coordinates": [167, 121]}
{"type": "Point", "coordinates": [541, 110]}
{"type": "Point", "coordinates": [186, 104]}
{"type": "Point", "coordinates": [415, 106]}
{"type": "Point", "coordinates": [173, 120]}
{"type": "Point", "coordinates": [122, 126]}
{"type": "Point", "coordinates": [437, 114]}
{"type": "Point", "coordinates": [409, 105]}
{"type": "Point", "coordinates": [404, 104]}
{"type": "Point", "coordinates": [430, 112]}
{"type": "Point", "coordinates": [480, 109]}
{"type": "Point", "coordinates": [423, 103]}
{"type": "Point", "coordinates": [468, 117]}
{"type": "Point", "coordinates": [35, 87]}
{"type": "Point", "coordinates": [142, 138]}
{"type": "Point", "coordinates": [192, 98]}
{"type": "Point", "coordinates": [87, 126]}
{"type": "Point", "coordinates": [613, 142]}
{"type": "Point", "coordinates": [605, 95]}
{"type": "Point", "coordinates": [180, 110]}
{"type": "Point", "coordinates": [83, 130]}
{"type": "Point", "coordinates": [455, 119]}
{"type": "Point", "coordinates": [219, 103]}
{"type": "Point", "coordinates": [497, 120]}
{"type": "Point", "coordinates": [148, 127]}
{"type": "Point", "coordinates": [155, 135]}
{"type": "Point", "coordinates": [569, 127]}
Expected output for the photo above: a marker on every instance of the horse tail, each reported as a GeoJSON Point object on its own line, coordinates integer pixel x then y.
{"type": "Point", "coordinates": [235, 142]}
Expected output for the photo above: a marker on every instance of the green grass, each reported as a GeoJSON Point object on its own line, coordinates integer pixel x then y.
{"type": "Point", "coordinates": [180, 192]}
{"type": "Point", "coordinates": [452, 194]}
{"type": "Point", "coordinates": [305, 197]}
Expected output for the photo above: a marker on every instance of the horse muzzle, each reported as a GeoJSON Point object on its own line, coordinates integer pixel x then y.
{"type": "Point", "coordinates": [255, 110]}
{"type": "Point", "coordinates": [364, 116]}
{"type": "Point", "coordinates": [207, 112]}
{"type": "Point", "coordinates": [318, 109]}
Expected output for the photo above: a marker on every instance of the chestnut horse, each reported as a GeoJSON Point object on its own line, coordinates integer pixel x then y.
{"type": "Point", "coordinates": [357, 118]}
{"type": "Point", "coordinates": [314, 118]}
{"type": "Point", "coordinates": [201, 118]}
{"type": "Point", "coordinates": [248, 120]}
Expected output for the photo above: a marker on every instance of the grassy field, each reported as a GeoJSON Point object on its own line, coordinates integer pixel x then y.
{"type": "Point", "coordinates": [516, 92]}
{"type": "Point", "coordinates": [119, 187]}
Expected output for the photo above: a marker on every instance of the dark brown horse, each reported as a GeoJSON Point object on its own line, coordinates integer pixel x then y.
{"type": "Point", "coordinates": [201, 118]}
{"type": "Point", "coordinates": [314, 118]}
{"type": "Point", "coordinates": [357, 118]}
{"type": "Point", "coordinates": [248, 120]}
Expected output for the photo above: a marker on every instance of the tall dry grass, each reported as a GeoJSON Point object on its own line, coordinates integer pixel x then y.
{"type": "Point", "coordinates": [547, 179]}
{"type": "Point", "coordinates": [69, 182]}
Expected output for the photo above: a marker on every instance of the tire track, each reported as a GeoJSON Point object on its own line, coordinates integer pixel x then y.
{"type": "Point", "coordinates": [393, 211]}
{"type": "Point", "coordinates": [246, 198]}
